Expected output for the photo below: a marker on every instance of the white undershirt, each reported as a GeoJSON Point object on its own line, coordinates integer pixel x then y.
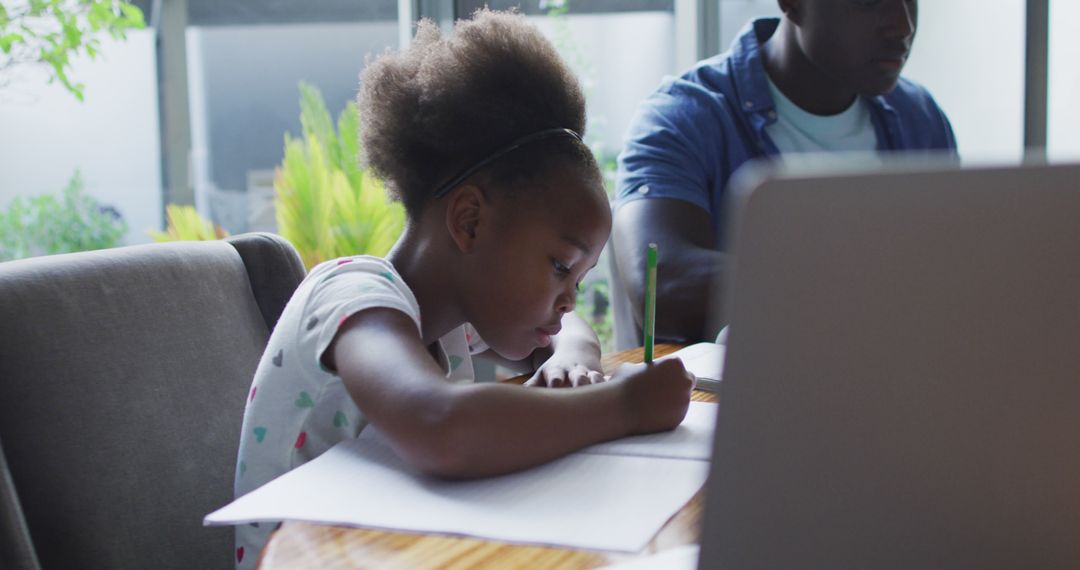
{"type": "Point", "coordinates": [798, 131]}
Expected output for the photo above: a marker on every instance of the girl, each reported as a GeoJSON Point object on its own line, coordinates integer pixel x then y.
{"type": "Point", "coordinates": [479, 136]}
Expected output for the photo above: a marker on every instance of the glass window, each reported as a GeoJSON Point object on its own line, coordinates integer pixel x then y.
{"type": "Point", "coordinates": [111, 139]}
{"type": "Point", "coordinates": [972, 61]}
{"type": "Point", "coordinates": [244, 67]}
{"type": "Point", "coordinates": [734, 14]}
{"type": "Point", "coordinates": [1063, 140]}
{"type": "Point", "coordinates": [244, 60]}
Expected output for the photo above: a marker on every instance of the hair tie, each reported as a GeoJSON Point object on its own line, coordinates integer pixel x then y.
{"type": "Point", "coordinates": [545, 134]}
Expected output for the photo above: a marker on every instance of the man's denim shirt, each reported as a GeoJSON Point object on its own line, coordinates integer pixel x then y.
{"type": "Point", "coordinates": [689, 137]}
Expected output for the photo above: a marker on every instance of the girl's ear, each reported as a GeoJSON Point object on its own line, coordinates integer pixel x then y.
{"type": "Point", "coordinates": [464, 212]}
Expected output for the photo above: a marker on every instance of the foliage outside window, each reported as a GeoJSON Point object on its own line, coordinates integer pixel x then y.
{"type": "Point", "coordinates": [326, 204]}
{"type": "Point", "coordinates": [52, 32]}
{"type": "Point", "coordinates": [185, 224]}
{"type": "Point", "coordinates": [48, 224]}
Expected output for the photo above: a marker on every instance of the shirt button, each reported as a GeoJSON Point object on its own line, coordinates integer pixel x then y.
{"type": "Point", "coordinates": [643, 189]}
{"type": "Point", "coordinates": [749, 104]}
{"type": "Point", "coordinates": [772, 114]}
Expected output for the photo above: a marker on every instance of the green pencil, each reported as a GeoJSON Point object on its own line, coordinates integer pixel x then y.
{"type": "Point", "coordinates": [650, 302]}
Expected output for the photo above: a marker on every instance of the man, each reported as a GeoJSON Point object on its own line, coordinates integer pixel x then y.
{"type": "Point", "coordinates": [824, 77]}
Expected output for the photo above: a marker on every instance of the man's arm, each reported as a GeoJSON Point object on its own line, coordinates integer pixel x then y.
{"type": "Point", "coordinates": [690, 271]}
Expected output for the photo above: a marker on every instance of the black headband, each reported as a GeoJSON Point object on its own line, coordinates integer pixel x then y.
{"type": "Point", "coordinates": [545, 134]}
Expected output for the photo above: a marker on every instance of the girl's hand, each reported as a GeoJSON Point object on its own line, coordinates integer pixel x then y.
{"type": "Point", "coordinates": [657, 395]}
{"type": "Point", "coordinates": [575, 357]}
{"type": "Point", "coordinates": [568, 368]}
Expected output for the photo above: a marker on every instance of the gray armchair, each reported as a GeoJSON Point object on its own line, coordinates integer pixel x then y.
{"type": "Point", "coordinates": [123, 376]}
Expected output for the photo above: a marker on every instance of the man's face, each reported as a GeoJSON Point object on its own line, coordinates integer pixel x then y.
{"type": "Point", "coordinates": [860, 44]}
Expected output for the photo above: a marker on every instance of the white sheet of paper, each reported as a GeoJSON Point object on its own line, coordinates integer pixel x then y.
{"type": "Point", "coordinates": [691, 440]}
{"type": "Point", "coordinates": [678, 558]}
{"type": "Point", "coordinates": [592, 501]}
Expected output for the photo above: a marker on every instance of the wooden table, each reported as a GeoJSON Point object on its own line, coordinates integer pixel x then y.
{"type": "Point", "coordinates": [307, 545]}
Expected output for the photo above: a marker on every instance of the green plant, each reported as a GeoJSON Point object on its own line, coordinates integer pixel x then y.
{"type": "Point", "coordinates": [326, 204]}
{"type": "Point", "coordinates": [594, 306]}
{"type": "Point", "coordinates": [44, 225]}
{"type": "Point", "coordinates": [185, 224]}
{"type": "Point", "coordinates": [51, 32]}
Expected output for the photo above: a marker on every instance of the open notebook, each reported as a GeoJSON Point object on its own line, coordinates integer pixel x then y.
{"type": "Point", "coordinates": [613, 496]}
{"type": "Point", "coordinates": [705, 360]}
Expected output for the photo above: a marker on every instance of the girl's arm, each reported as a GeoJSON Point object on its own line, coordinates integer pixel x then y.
{"type": "Point", "coordinates": [572, 359]}
{"type": "Point", "coordinates": [474, 430]}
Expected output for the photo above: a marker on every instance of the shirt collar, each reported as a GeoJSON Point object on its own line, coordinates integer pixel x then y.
{"type": "Point", "coordinates": [749, 68]}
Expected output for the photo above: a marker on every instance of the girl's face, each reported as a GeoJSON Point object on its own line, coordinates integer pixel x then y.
{"type": "Point", "coordinates": [529, 263]}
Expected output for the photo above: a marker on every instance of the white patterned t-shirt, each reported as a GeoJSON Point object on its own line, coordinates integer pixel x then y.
{"type": "Point", "coordinates": [296, 409]}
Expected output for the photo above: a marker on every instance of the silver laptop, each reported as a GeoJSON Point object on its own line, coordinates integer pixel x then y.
{"type": "Point", "coordinates": [902, 380]}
